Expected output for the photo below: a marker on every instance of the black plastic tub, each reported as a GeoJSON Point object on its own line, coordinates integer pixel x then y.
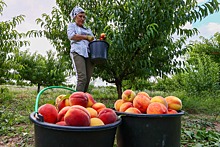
{"type": "Point", "coordinates": [98, 51]}
{"type": "Point", "coordinates": [145, 130]}
{"type": "Point", "coordinates": [52, 135]}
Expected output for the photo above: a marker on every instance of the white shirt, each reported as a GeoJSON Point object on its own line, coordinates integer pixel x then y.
{"type": "Point", "coordinates": [81, 46]}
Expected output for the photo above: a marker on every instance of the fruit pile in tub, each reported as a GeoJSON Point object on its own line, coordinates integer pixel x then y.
{"type": "Point", "coordinates": [142, 103]}
{"type": "Point", "coordinates": [77, 109]}
{"type": "Point", "coordinates": [81, 109]}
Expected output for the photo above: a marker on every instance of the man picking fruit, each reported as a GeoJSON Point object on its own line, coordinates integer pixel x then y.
{"type": "Point", "coordinates": [80, 36]}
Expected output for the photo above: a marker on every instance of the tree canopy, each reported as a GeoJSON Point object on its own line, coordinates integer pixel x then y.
{"type": "Point", "coordinates": [10, 41]}
{"type": "Point", "coordinates": [139, 33]}
{"type": "Point", "coordinates": [210, 46]}
{"type": "Point", "coordinates": [40, 70]}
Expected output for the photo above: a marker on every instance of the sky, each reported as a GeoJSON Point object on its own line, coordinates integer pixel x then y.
{"type": "Point", "coordinates": [33, 9]}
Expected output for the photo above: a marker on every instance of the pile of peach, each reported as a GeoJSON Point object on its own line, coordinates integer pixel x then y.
{"type": "Point", "coordinates": [142, 103]}
{"type": "Point", "coordinates": [78, 109]}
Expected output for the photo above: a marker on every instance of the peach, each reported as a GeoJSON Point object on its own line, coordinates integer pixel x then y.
{"type": "Point", "coordinates": [96, 122]}
{"type": "Point", "coordinates": [125, 106]}
{"type": "Point", "coordinates": [63, 103]}
{"type": "Point", "coordinates": [91, 100]}
{"type": "Point", "coordinates": [49, 113]}
{"type": "Point", "coordinates": [98, 106]}
{"type": "Point", "coordinates": [156, 108]}
{"type": "Point", "coordinates": [171, 111]}
{"type": "Point", "coordinates": [93, 113]}
{"type": "Point", "coordinates": [141, 102]}
{"type": "Point", "coordinates": [159, 99]}
{"type": "Point", "coordinates": [133, 110]}
{"type": "Point", "coordinates": [107, 115]}
{"type": "Point", "coordinates": [117, 104]}
{"type": "Point", "coordinates": [144, 93]}
{"type": "Point", "coordinates": [58, 99]}
{"type": "Point", "coordinates": [78, 98]}
{"type": "Point", "coordinates": [61, 123]}
{"type": "Point", "coordinates": [77, 116]}
{"type": "Point", "coordinates": [128, 95]}
{"type": "Point", "coordinates": [62, 112]}
{"type": "Point", "coordinates": [174, 103]}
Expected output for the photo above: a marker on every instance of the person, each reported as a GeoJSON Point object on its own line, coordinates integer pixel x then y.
{"type": "Point", "coordinates": [79, 37]}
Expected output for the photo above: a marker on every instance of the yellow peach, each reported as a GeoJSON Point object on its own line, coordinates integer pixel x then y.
{"type": "Point", "coordinates": [174, 103]}
{"type": "Point", "coordinates": [128, 95]}
{"type": "Point", "coordinates": [159, 99]}
{"type": "Point", "coordinates": [133, 110]}
{"type": "Point", "coordinates": [93, 112]}
{"type": "Point", "coordinates": [156, 108]}
{"type": "Point", "coordinates": [98, 106]}
{"type": "Point", "coordinates": [96, 122]}
{"type": "Point", "coordinates": [125, 106]}
{"type": "Point", "coordinates": [117, 104]}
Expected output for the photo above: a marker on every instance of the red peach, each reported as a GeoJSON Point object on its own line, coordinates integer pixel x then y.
{"type": "Point", "coordinates": [159, 99]}
{"type": "Point", "coordinates": [62, 112]}
{"type": "Point", "coordinates": [125, 106]}
{"type": "Point", "coordinates": [141, 102]}
{"type": "Point", "coordinates": [174, 103]}
{"type": "Point", "coordinates": [102, 35]}
{"type": "Point", "coordinates": [156, 108]}
{"type": "Point", "coordinates": [128, 95]}
{"type": "Point", "coordinates": [117, 104]}
{"type": "Point", "coordinates": [63, 103]}
{"type": "Point", "coordinates": [91, 100]}
{"type": "Point", "coordinates": [77, 116]}
{"type": "Point", "coordinates": [58, 99]}
{"type": "Point", "coordinates": [78, 98]}
{"type": "Point", "coordinates": [98, 106]}
{"type": "Point", "coordinates": [61, 123]}
{"type": "Point", "coordinates": [133, 110]}
{"type": "Point", "coordinates": [49, 113]}
{"type": "Point", "coordinates": [171, 111]}
{"type": "Point", "coordinates": [107, 115]}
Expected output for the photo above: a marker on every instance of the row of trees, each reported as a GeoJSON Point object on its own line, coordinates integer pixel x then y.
{"type": "Point", "coordinates": [23, 66]}
{"type": "Point", "coordinates": [139, 33]}
{"type": "Point", "coordinates": [202, 69]}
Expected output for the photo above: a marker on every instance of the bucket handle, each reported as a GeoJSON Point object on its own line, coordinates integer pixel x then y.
{"type": "Point", "coordinates": [39, 116]}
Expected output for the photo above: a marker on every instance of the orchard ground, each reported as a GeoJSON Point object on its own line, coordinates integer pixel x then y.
{"type": "Point", "coordinates": [18, 102]}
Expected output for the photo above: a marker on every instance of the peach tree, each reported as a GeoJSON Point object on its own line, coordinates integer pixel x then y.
{"type": "Point", "coordinates": [10, 42]}
{"type": "Point", "coordinates": [203, 64]}
{"type": "Point", "coordinates": [40, 70]}
{"type": "Point", "coordinates": [140, 34]}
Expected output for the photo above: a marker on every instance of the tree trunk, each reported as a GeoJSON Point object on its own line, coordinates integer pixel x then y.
{"type": "Point", "coordinates": [38, 88]}
{"type": "Point", "coordinates": [118, 84]}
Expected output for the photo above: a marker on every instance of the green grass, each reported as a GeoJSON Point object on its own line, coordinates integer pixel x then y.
{"type": "Point", "coordinates": [16, 104]}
